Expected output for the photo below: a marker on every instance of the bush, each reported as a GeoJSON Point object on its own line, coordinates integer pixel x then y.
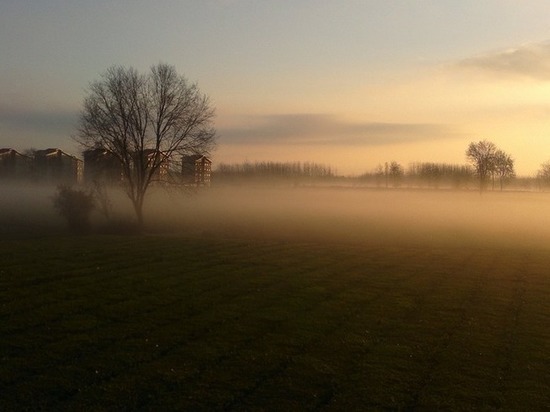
{"type": "Point", "coordinates": [75, 206]}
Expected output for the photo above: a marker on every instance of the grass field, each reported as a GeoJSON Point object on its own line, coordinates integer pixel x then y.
{"type": "Point", "coordinates": [209, 323]}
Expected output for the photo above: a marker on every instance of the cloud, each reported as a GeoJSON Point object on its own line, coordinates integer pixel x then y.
{"type": "Point", "coordinates": [528, 61]}
{"type": "Point", "coordinates": [323, 129]}
{"type": "Point", "coordinates": [42, 121]}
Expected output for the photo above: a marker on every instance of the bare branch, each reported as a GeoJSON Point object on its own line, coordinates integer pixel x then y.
{"type": "Point", "coordinates": [143, 120]}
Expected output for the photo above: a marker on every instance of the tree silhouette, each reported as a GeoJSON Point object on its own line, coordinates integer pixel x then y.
{"type": "Point", "coordinates": [503, 167]}
{"type": "Point", "coordinates": [143, 120]}
{"type": "Point", "coordinates": [543, 174]}
{"type": "Point", "coordinates": [482, 157]}
{"type": "Point", "coordinates": [396, 173]}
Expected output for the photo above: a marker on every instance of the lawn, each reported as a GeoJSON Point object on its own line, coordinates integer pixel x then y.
{"type": "Point", "coordinates": [204, 323]}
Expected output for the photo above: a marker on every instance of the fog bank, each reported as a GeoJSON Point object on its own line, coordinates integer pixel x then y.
{"type": "Point", "coordinates": [363, 215]}
{"type": "Point", "coordinates": [342, 215]}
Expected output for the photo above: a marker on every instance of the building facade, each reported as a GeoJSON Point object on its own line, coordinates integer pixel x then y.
{"type": "Point", "coordinates": [100, 165]}
{"type": "Point", "coordinates": [14, 165]}
{"type": "Point", "coordinates": [55, 166]}
{"type": "Point", "coordinates": [196, 170]}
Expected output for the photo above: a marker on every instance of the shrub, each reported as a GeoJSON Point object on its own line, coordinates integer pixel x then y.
{"type": "Point", "coordinates": [75, 206]}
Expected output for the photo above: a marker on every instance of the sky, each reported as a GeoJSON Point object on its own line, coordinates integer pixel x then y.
{"type": "Point", "coordinates": [350, 84]}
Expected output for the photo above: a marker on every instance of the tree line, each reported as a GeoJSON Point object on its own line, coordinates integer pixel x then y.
{"type": "Point", "coordinates": [421, 174]}
{"type": "Point", "coordinates": [273, 170]}
{"type": "Point", "coordinates": [488, 165]}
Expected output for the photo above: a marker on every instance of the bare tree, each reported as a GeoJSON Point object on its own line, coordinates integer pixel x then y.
{"type": "Point", "coordinates": [482, 157]}
{"type": "Point", "coordinates": [503, 167]}
{"type": "Point", "coordinates": [379, 175]}
{"type": "Point", "coordinates": [396, 173]}
{"type": "Point", "coordinates": [143, 120]}
{"type": "Point", "coordinates": [543, 174]}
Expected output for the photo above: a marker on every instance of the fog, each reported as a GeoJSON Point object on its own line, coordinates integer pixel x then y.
{"type": "Point", "coordinates": [367, 215]}
{"type": "Point", "coordinates": [309, 214]}
{"type": "Point", "coordinates": [359, 215]}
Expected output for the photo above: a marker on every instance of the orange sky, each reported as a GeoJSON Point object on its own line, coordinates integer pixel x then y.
{"type": "Point", "coordinates": [430, 113]}
{"type": "Point", "coordinates": [351, 84]}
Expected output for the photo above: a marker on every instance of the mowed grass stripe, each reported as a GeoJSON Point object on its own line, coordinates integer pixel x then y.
{"type": "Point", "coordinates": [458, 337]}
{"type": "Point", "coordinates": [136, 311]}
{"type": "Point", "coordinates": [221, 360]}
{"type": "Point", "coordinates": [528, 336]}
{"type": "Point", "coordinates": [311, 325]}
{"type": "Point", "coordinates": [479, 350]}
{"type": "Point", "coordinates": [348, 328]}
{"type": "Point", "coordinates": [234, 324]}
{"type": "Point", "coordinates": [261, 328]}
{"type": "Point", "coordinates": [143, 307]}
{"type": "Point", "coordinates": [369, 341]}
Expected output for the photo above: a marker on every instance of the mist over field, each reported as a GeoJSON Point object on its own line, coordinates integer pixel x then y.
{"type": "Point", "coordinates": [242, 297]}
{"type": "Point", "coordinates": [313, 214]}
{"type": "Point", "coordinates": [366, 215]}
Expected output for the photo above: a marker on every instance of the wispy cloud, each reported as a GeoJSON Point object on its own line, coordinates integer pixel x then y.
{"type": "Point", "coordinates": [323, 129]}
{"type": "Point", "coordinates": [528, 61]}
{"type": "Point", "coordinates": [33, 120]}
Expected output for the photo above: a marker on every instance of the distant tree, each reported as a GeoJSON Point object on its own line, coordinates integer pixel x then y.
{"type": "Point", "coordinates": [283, 170]}
{"type": "Point", "coordinates": [396, 173]}
{"type": "Point", "coordinates": [435, 174]}
{"type": "Point", "coordinates": [543, 174]}
{"type": "Point", "coordinates": [379, 174]}
{"type": "Point", "coordinates": [482, 156]}
{"type": "Point", "coordinates": [143, 119]}
{"type": "Point", "coordinates": [503, 167]}
{"type": "Point", "coordinates": [422, 173]}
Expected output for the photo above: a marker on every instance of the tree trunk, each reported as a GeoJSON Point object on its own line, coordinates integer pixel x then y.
{"type": "Point", "coordinates": [138, 208]}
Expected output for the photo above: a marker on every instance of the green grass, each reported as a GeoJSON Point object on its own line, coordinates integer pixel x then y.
{"type": "Point", "coordinates": [167, 323]}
